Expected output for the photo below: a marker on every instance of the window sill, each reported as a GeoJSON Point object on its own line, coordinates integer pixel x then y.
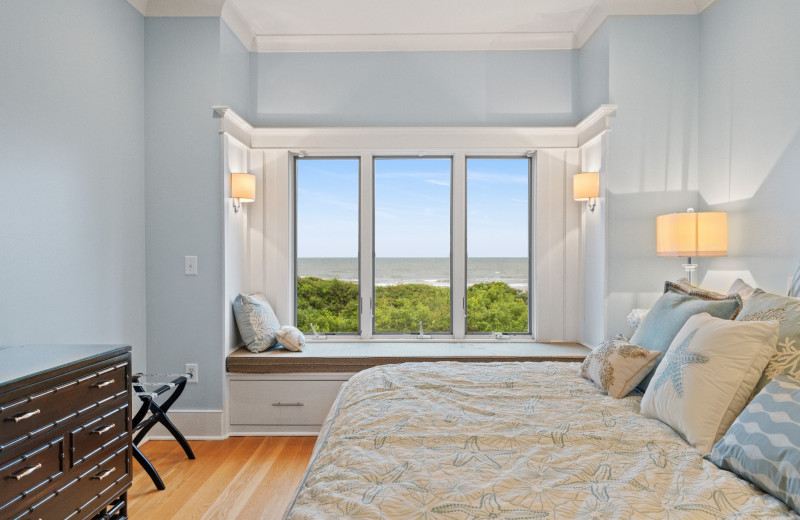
{"type": "Point", "coordinates": [347, 357]}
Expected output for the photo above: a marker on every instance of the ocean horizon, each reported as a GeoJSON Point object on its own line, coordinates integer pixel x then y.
{"type": "Point", "coordinates": [432, 271]}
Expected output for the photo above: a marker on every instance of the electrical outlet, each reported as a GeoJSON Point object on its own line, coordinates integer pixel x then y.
{"type": "Point", "coordinates": [191, 368]}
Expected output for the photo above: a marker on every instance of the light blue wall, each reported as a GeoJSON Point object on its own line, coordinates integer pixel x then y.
{"type": "Point", "coordinates": [537, 88]}
{"type": "Point", "coordinates": [184, 202]}
{"type": "Point", "coordinates": [652, 152]}
{"type": "Point", "coordinates": [72, 246]}
{"type": "Point", "coordinates": [593, 78]}
{"type": "Point", "coordinates": [234, 72]}
{"type": "Point", "coordinates": [750, 137]}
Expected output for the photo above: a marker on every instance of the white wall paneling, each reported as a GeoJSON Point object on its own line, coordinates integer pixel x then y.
{"type": "Point", "coordinates": [558, 236]}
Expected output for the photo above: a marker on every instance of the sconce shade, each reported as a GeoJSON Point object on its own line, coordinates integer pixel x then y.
{"type": "Point", "coordinates": [243, 187]}
{"type": "Point", "coordinates": [692, 234]}
{"type": "Point", "coordinates": [586, 186]}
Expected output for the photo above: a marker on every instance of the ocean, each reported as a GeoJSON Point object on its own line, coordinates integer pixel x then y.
{"type": "Point", "coordinates": [432, 271]}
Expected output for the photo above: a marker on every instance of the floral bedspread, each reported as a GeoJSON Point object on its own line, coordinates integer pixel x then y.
{"type": "Point", "coordinates": [445, 441]}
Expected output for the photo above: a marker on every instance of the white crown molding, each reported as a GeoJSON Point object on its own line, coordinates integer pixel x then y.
{"type": "Point", "coordinates": [238, 24]}
{"type": "Point", "coordinates": [414, 42]}
{"type": "Point", "coordinates": [139, 5]}
{"type": "Point", "coordinates": [412, 139]}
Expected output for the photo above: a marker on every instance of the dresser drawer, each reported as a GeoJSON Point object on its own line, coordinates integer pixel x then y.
{"type": "Point", "coordinates": [92, 488]}
{"type": "Point", "coordinates": [98, 434]}
{"type": "Point", "coordinates": [42, 411]}
{"type": "Point", "coordinates": [296, 403]}
{"type": "Point", "coordinates": [22, 475]}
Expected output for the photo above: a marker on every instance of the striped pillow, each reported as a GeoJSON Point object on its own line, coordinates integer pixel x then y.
{"type": "Point", "coordinates": [763, 445]}
{"type": "Point", "coordinates": [794, 288]}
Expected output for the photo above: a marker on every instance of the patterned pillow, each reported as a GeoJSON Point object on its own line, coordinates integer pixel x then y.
{"type": "Point", "coordinates": [794, 287]}
{"type": "Point", "coordinates": [765, 306]}
{"type": "Point", "coordinates": [763, 445]}
{"type": "Point", "coordinates": [617, 366]}
{"type": "Point", "coordinates": [291, 338]}
{"type": "Point", "coordinates": [256, 321]}
{"type": "Point", "coordinates": [670, 312]}
{"type": "Point", "coordinates": [707, 375]}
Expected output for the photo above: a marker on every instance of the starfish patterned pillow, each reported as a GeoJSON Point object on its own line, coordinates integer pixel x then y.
{"type": "Point", "coordinates": [707, 376]}
{"type": "Point", "coordinates": [617, 366]}
{"type": "Point", "coordinates": [786, 311]}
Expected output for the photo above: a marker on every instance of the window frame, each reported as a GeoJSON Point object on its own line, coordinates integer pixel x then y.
{"type": "Point", "coordinates": [295, 194]}
{"type": "Point", "coordinates": [458, 251]}
{"type": "Point", "coordinates": [447, 334]}
{"type": "Point", "coordinates": [531, 158]}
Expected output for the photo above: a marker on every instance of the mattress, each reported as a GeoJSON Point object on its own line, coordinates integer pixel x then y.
{"type": "Point", "coordinates": [453, 440]}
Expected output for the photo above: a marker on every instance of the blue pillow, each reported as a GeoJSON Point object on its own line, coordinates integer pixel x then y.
{"type": "Point", "coordinates": [256, 321]}
{"type": "Point", "coordinates": [763, 444]}
{"type": "Point", "coordinates": [671, 311]}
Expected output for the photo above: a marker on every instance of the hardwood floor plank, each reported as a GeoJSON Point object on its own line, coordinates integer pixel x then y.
{"type": "Point", "coordinates": [245, 478]}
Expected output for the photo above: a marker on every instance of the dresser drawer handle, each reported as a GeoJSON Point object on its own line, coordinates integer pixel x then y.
{"type": "Point", "coordinates": [24, 472]}
{"type": "Point", "coordinates": [103, 383]}
{"type": "Point", "coordinates": [100, 430]}
{"type": "Point", "coordinates": [288, 404]}
{"type": "Point", "coordinates": [103, 474]}
{"type": "Point", "coordinates": [22, 416]}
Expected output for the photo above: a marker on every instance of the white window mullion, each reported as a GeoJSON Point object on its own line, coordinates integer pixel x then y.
{"type": "Point", "coordinates": [366, 247]}
{"type": "Point", "coordinates": [459, 247]}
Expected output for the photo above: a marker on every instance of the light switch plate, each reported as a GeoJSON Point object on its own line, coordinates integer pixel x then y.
{"type": "Point", "coordinates": [190, 265]}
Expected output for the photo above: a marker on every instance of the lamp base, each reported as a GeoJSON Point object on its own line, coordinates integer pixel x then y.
{"type": "Point", "coordinates": [690, 268]}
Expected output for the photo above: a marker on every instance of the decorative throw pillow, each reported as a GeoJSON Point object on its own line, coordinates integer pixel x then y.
{"type": "Point", "coordinates": [291, 338]}
{"type": "Point", "coordinates": [707, 376]}
{"type": "Point", "coordinates": [794, 287]}
{"type": "Point", "coordinates": [763, 445]}
{"type": "Point", "coordinates": [670, 312]}
{"type": "Point", "coordinates": [742, 288]}
{"type": "Point", "coordinates": [766, 306]}
{"type": "Point", "coordinates": [256, 321]}
{"type": "Point", "coordinates": [617, 366]}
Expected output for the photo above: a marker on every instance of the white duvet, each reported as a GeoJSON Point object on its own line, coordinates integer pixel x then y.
{"type": "Point", "coordinates": [444, 441]}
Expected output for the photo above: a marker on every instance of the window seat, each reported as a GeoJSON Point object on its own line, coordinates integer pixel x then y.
{"type": "Point", "coordinates": [333, 357]}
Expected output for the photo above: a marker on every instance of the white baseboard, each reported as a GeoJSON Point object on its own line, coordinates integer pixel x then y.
{"type": "Point", "coordinates": [197, 425]}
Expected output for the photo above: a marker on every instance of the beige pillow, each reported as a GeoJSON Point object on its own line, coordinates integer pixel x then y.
{"type": "Point", "coordinates": [742, 288]}
{"type": "Point", "coordinates": [617, 366]}
{"type": "Point", "coordinates": [291, 338]}
{"type": "Point", "coordinates": [707, 375]}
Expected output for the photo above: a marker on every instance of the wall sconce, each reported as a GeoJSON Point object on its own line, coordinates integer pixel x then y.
{"type": "Point", "coordinates": [692, 234]}
{"type": "Point", "coordinates": [243, 189]}
{"type": "Point", "coordinates": [586, 188]}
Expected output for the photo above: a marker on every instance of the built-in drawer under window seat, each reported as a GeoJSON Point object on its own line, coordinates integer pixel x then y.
{"type": "Point", "coordinates": [289, 393]}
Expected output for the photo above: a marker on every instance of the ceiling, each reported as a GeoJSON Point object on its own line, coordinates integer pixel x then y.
{"type": "Point", "coordinates": [385, 25]}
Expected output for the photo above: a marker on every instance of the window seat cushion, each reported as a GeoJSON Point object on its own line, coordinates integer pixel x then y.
{"type": "Point", "coordinates": [352, 357]}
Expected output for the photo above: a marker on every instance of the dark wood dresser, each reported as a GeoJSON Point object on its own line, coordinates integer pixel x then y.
{"type": "Point", "coordinates": [65, 432]}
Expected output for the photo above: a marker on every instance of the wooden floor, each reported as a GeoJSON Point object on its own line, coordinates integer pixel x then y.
{"type": "Point", "coordinates": [239, 478]}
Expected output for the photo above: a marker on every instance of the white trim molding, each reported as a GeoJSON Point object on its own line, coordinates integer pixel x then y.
{"type": "Point", "coordinates": [416, 138]}
{"type": "Point", "coordinates": [194, 425]}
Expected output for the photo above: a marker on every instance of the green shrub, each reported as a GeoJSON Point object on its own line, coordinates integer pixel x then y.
{"type": "Point", "coordinates": [332, 306]}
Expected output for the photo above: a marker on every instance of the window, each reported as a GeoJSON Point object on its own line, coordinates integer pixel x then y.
{"type": "Point", "coordinates": [326, 238]}
{"type": "Point", "coordinates": [412, 244]}
{"type": "Point", "coordinates": [386, 243]}
{"type": "Point", "coordinates": [498, 244]}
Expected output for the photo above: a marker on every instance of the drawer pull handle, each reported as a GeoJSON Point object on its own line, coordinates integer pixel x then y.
{"type": "Point", "coordinates": [103, 383]}
{"type": "Point", "coordinates": [100, 430]}
{"type": "Point", "coordinates": [103, 474]}
{"type": "Point", "coordinates": [24, 472]}
{"type": "Point", "coordinates": [288, 404]}
{"type": "Point", "coordinates": [22, 416]}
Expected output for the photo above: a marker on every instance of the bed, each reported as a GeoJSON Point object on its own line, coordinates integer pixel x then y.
{"type": "Point", "coordinates": [453, 440]}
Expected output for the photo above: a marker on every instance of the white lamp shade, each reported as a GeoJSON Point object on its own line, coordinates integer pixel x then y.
{"type": "Point", "coordinates": [586, 186]}
{"type": "Point", "coordinates": [692, 234]}
{"type": "Point", "coordinates": [243, 187]}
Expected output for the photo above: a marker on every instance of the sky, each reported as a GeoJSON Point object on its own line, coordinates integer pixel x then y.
{"type": "Point", "coordinates": [412, 207]}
